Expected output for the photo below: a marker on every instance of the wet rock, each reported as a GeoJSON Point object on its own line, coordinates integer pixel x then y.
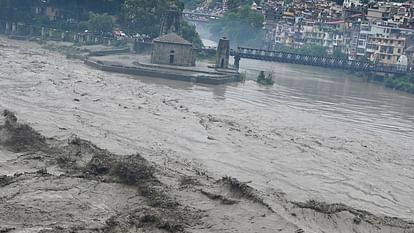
{"type": "Point", "coordinates": [241, 188]}
{"type": "Point", "coordinates": [5, 180]}
{"type": "Point", "coordinates": [6, 229]}
{"type": "Point", "coordinates": [357, 220]}
{"type": "Point", "coordinates": [100, 164]}
{"type": "Point", "coordinates": [19, 137]}
{"type": "Point", "coordinates": [133, 169]}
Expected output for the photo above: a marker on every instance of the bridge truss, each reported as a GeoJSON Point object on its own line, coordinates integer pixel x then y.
{"type": "Point", "coordinates": [329, 62]}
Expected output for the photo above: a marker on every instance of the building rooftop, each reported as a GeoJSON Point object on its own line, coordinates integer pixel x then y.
{"type": "Point", "coordinates": [172, 38]}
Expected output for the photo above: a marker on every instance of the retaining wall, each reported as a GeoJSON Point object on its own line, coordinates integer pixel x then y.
{"type": "Point", "coordinates": [162, 74]}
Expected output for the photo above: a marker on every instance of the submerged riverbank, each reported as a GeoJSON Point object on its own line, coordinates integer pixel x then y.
{"type": "Point", "coordinates": [309, 137]}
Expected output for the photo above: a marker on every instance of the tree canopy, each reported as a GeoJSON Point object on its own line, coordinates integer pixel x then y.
{"type": "Point", "coordinates": [234, 4]}
{"type": "Point", "coordinates": [135, 16]}
{"type": "Point", "coordinates": [100, 22]}
{"type": "Point", "coordinates": [144, 16]}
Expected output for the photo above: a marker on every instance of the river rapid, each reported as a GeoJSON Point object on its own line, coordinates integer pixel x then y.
{"type": "Point", "coordinates": [316, 134]}
{"type": "Point", "coordinates": [358, 136]}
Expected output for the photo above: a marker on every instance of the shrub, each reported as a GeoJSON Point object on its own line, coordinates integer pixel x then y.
{"type": "Point", "coordinates": [265, 79]}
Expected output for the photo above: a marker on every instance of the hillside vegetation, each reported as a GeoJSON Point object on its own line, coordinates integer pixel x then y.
{"type": "Point", "coordinates": [99, 16]}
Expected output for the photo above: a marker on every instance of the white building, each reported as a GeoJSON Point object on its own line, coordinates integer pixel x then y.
{"type": "Point", "coordinates": [351, 3]}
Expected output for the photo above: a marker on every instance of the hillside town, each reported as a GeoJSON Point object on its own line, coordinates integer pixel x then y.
{"type": "Point", "coordinates": [381, 32]}
{"type": "Point", "coordinates": [375, 31]}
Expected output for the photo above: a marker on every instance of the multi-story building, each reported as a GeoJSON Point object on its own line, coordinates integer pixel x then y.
{"type": "Point", "coordinates": [338, 41]}
{"type": "Point", "coordinates": [378, 33]}
{"type": "Point", "coordinates": [316, 34]}
{"type": "Point", "coordinates": [364, 33]}
{"type": "Point", "coordinates": [384, 46]}
{"type": "Point", "coordinates": [351, 3]}
{"type": "Point", "coordinates": [382, 11]}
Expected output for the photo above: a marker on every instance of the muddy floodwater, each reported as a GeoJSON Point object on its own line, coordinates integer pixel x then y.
{"type": "Point", "coordinates": [354, 139]}
{"type": "Point", "coordinates": [316, 134]}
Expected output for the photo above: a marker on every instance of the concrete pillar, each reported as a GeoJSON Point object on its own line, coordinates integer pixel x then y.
{"type": "Point", "coordinates": [14, 28]}
{"type": "Point", "coordinates": [237, 61]}
{"type": "Point", "coordinates": [223, 53]}
{"type": "Point", "coordinates": [43, 33]}
{"type": "Point", "coordinates": [18, 29]}
{"type": "Point", "coordinates": [7, 28]}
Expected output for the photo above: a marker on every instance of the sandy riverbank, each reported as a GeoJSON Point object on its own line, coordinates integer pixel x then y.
{"type": "Point", "coordinates": [185, 136]}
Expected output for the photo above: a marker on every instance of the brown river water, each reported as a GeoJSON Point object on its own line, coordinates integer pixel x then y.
{"type": "Point", "coordinates": [335, 104]}
{"type": "Point", "coordinates": [316, 134]}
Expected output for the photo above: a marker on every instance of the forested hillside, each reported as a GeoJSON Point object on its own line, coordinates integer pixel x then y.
{"type": "Point", "coordinates": [133, 16]}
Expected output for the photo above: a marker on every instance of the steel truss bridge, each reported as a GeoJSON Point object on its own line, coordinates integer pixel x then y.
{"type": "Point", "coordinates": [329, 62]}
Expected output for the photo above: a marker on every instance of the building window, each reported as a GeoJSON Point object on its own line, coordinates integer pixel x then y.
{"type": "Point", "coordinates": [389, 57]}
{"type": "Point", "coordinates": [399, 50]}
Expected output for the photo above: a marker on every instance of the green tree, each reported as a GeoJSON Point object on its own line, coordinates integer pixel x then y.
{"type": "Point", "coordinates": [234, 4]}
{"type": "Point", "coordinates": [265, 79]}
{"type": "Point", "coordinates": [189, 33]}
{"type": "Point", "coordinates": [100, 22]}
{"type": "Point", "coordinates": [144, 16]}
{"type": "Point", "coordinates": [17, 11]}
{"type": "Point", "coordinates": [191, 4]}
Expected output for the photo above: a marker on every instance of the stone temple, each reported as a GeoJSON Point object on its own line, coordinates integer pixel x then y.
{"type": "Point", "coordinates": [173, 57]}
{"type": "Point", "coordinates": [172, 49]}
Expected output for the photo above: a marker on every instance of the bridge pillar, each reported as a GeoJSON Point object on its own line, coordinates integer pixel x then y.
{"type": "Point", "coordinates": [14, 28]}
{"type": "Point", "coordinates": [223, 53]}
{"type": "Point", "coordinates": [7, 31]}
{"type": "Point", "coordinates": [43, 33]}
{"type": "Point", "coordinates": [237, 61]}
